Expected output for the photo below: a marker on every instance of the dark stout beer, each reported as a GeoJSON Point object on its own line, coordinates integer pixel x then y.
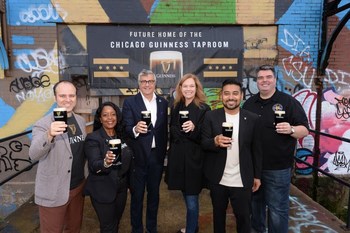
{"type": "Point", "coordinates": [279, 116]}
{"type": "Point", "coordinates": [146, 117]}
{"type": "Point", "coordinates": [60, 114]}
{"type": "Point", "coordinates": [115, 146]}
{"type": "Point", "coordinates": [183, 117]}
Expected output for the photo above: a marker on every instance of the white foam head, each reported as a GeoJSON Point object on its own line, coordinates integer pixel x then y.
{"type": "Point", "coordinates": [59, 109]}
{"type": "Point", "coordinates": [184, 112]}
{"type": "Point", "coordinates": [227, 124]}
{"type": "Point", "coordinates": [114, 141]}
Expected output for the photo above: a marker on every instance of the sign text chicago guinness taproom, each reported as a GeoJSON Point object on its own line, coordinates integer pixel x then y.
{"type": "Point", "coordinates": [118, 53]}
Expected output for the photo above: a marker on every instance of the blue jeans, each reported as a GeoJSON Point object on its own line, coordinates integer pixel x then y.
{"type": "Point", "coordinates": [192, 207]}
{"type": "Point", "coordinates": [273, 194]}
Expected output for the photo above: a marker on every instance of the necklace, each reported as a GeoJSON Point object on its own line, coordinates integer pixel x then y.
{"type": "Point", "coordinates": [111, 134]}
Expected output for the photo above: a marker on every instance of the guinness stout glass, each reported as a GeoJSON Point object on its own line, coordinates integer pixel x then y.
{"type": "Point", "coordinates": [115, 145]}
{"type": "Point", "coordinates": [167, 66]}
{"type": "Point", "coordinates": [279, 116]}
{"type": "Point", "coordinates": [227, 129]}
{"type": "Point", "coordinates": [60, 114]}
{"type": "Point", "coordinates": [146, 117]}
{"type": "Point", "coordinates": [183, 117]}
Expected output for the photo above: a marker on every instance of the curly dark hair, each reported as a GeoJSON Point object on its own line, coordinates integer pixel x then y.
{"type": "Point", "coordinates": [118, 127]}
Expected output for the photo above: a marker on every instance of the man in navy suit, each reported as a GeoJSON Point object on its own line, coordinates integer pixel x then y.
{"type": "Point", "coordinates": [232, 164]}
{"type": "Point", "coordinates": [149, 144]}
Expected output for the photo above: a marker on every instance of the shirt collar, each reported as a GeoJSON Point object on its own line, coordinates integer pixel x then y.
{"type": "Point", "coordinates": [274, 97]}
{"type": "Point", "coordinates": [145, 99]}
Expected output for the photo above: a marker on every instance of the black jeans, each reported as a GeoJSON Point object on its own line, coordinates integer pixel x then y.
{"type": "Point", "coordinates": [240, 199]}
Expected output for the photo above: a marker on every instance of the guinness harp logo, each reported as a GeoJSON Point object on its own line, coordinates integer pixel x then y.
{"type": "Point", "coordinates": [166, 65]}
{"type": "Point", "coordinates": [72, 128]}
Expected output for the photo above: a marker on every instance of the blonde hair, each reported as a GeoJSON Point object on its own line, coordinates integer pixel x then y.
{"type": "Point", "coordinates": [199, 97]}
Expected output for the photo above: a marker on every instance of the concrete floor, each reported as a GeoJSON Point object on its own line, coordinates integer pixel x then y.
{"type": "Point", "coordinates": [305, 216]}
{"type": "Point", "coordinates": [171, 215]}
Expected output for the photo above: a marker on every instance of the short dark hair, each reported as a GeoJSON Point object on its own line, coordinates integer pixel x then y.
{"type": "Point", "coordinates": [97, 122]}
{"type": "Point", "coordinates": [63, 81]}
{"type": "Point", "coordinates": [267, 67]}
{"type": "Point", "coordinates": [232, 81]}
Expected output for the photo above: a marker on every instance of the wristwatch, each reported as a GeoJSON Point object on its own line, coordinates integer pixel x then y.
{"type": "Point", "coordinates": [292, 130]}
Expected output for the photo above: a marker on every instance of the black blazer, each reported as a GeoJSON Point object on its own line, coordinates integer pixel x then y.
{"type": "Point", "coordinates": [250, 148]}
{"type": "Point", "coordinates": [102, 183]}
{"type": "Point", "coordinates": [142, 144]}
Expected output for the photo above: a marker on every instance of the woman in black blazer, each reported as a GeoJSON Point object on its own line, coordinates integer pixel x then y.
{"type": "Point", "coordinates": [185, 159]}
{"type": "Point", "coordinates": [107, 183]}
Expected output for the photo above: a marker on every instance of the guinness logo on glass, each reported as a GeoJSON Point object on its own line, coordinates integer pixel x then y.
{"type": "Point", "coordinates": [60, 114]}
{"type": "Point", "coordinates": [183, 117]}
{"type": "Point", "coordinates": [227, 129]}
{"type": "Point", "coordinates": [279, 116]}
{"type": "Point", "coordinates": [146, 117]}
{"type": "Point", "coordinates": [166, 64]}
{"type": "Point", "coordinates": [115, 145]}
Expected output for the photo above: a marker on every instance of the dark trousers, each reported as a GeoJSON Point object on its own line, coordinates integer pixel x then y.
{"type": "Point", "coordinates": [240, 199]}
{"type": "Point", "coordinates": [149, 178]}
{"type": "Point", "coordinates": [109, 214]}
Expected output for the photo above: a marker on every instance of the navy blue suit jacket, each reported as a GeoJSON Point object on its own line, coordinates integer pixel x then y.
{"type": "Point", "coordinates": [250, 148]}
{"type": "Point", "coordinates": [142, 144]}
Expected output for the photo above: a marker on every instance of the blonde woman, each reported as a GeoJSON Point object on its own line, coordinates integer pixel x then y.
{"type": "Point", "coordinates": [184, 170]}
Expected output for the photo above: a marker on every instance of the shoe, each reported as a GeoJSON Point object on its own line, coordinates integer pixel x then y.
{"type": "Point", "coordinates": [182, 230]}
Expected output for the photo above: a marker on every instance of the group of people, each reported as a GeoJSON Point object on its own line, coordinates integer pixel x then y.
{"type": "Point", "coordinates": [251, 170]}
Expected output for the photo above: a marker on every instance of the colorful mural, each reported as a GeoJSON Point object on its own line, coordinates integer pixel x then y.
{"type": "Point", "coordinates": [297, 77]}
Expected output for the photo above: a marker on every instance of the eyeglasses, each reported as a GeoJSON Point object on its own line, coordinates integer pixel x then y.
{"type": "Point", "coordinates": [144, 82]}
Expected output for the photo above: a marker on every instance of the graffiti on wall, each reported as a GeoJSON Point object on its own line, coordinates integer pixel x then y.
{"type": "Point", "coordinates": [297, 74]}
{"type": "Point", "coordinates": [11, 156]}
{"type": "Point", "coordinates": [303, 218]}
{"type": "Point", "coordinates": [41, 13]}
{"type": "Point", "coordinates": [38, 61]}
{"type": "Point", "coordinates": [32, 88]}
{"type": "Point", "coordinates": [37, 66]}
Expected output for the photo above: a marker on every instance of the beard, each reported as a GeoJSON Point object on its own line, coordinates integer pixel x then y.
{"type": "Point", "coordinates": [231, 107]}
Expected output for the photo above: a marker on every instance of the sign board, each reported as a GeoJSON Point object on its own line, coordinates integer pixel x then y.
{"type": "Point", "coordinates": [118, 53]}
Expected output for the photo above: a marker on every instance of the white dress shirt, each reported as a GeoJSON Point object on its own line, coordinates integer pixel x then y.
{"type": "Point", "coordinates": [152, 107]}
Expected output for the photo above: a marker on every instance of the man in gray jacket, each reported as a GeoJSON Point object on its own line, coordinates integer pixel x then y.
{"type": "Point", "coordinates": [60, 175]}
